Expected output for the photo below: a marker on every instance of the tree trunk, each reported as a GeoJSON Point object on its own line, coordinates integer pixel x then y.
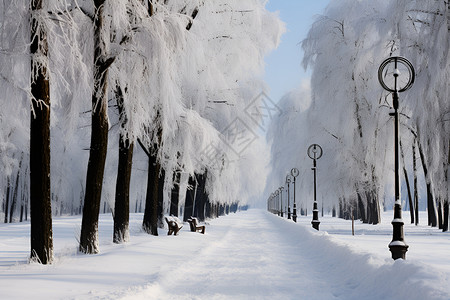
{"type": "Point", "coordinates": [190, 197]}
{"type": "Point", "coordinates": [200, 198]}
{"type": "Point", "coordinates": [432, 219]}
{"type": "Point", "coordinates": [161, 178]}
{"type": "Point", "coordinates": [416, 192]}
{"type": "Point", "coordinates": [446, 201]}
{"type": "Point", "coordinates": [408, 187]}
{"type": "Point", "coordinates": [99, 138]}
{"type": "Point", "coordinates": [41, 212]}
{"type": "Point", "coordinates": [150, 222]}
{"type": "Point", "coordinates": [439, 213]}
{"type": "Point", "coordinates": [16, 192]}
{"type": "Point", "coordinates": [8, 192]}
{"type": "Point", "coordinates": [175, 194]}
{"type": "Point", "coordinates": [122, 201]}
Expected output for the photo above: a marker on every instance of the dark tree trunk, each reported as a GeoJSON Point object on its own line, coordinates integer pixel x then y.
{"type": "Point", "coordinates": [175, 194]}
{"type": "Point", "coordinates": [122, 201]}
{"type": "Point", "coordinates": [200, 198]}
{"type": "Point", "coordinates": [361, 209]}
{"type": "Point", "coordinates": [416, 192]}
{"type": "Point", "coordinates": [408, 187]}
{"type": "Point", "coordinates": [208, 210]}
{"type": "Point", "coordinates": [445, 224]}
{"type": "Point", "coordinates": [161, 178]}
{"type": "Point", "coordinates": [432, 219]}
{"type": "Point", "coordinates": [16, 192]}
{"type": "Point", "coordinates": [150, 221]}
{"type": "Point", "coordinates": [99, 139]}
{"type": "Point", "coordinates": [190, 197]}
{"type": "Point", "coordinates": [446, 174]}
{"type": "Point", "coordinates": [8, 192]}
{"type": "Point", "coordinates": [439, 213]}
{"type": "Point", "coordinates": [41, 212]}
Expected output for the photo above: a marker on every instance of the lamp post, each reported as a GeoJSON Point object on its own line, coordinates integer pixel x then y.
{"type": "Point", "coordinates": [396, 74]}
{"type": "Point", "coordinates": [288, 181]}
{"type": "Point", "coordinates": [315, 152]}
{"type": "Point", "coordinates": [281, 199]}
{"type": "Point", "coordinates": [277, 204]}
{"type": "Point", "coordinates": [294, 173]}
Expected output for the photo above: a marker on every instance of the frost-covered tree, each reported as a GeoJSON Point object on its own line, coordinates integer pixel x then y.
{"type": "Point", "coordinates": [349, 116]}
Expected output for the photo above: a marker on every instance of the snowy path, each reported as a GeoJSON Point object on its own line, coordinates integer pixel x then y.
{"type": "Point", "coordinates": [256, 255]}
{"type": "Point", "coordinates": [253, 258]}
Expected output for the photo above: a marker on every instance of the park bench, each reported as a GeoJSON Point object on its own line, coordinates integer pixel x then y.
{"type": "Point", "coordinates": [174, 225]}
{"type": "Point", "coordinates": [193, 223]}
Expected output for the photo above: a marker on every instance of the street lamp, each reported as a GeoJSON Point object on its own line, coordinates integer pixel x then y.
{"type": "Point", "coordinates": [288, 181]}
{"type": "Point", "coordinates": [281, 199]}
{"type": "Point", "coordinates": [396, 74]}
{"type": "Point", "coordinates": [294, 173]}
{"type": "Point", "coordinates": [315, 152]}
{"type": "Point", "coordinates": [277, 203]}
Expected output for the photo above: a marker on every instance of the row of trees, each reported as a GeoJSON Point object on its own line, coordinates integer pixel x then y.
{"type": "Point", "coordinates": [346, 111]}
{"type": "Point", "coordinates": [165, 80]}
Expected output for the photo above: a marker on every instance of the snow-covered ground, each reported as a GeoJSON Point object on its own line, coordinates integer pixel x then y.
{"type": "Point", "coordinates": [248, 255]}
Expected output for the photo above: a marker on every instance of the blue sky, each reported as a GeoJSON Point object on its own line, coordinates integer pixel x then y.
{"type": "Point", "coordinates": [283, 66]}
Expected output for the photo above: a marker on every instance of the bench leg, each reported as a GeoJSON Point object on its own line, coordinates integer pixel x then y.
{"type": "Point", "coordinates": [177, 230]}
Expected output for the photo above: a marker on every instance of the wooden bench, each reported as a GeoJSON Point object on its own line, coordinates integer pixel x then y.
{"type": "Point", "coordinates": [174, 225]}
{"type": "Point", "coordinates": [193, 223]}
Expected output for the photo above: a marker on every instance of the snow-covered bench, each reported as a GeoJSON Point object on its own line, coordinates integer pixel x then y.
{"type": "Point", "coordinates": [174, 224]}
{"type": "Point", "coordinates": [193, 223]}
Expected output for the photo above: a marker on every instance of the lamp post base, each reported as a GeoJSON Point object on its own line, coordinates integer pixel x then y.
{"type": "Point", "coordinates": [398, 249]}
{"type": "Point", "coordinates": [315, 224]}
{"type": "Point", "coordinates": [398, 246]}
{"type": "Point", "coordinates": [289, 213]}
{"type": "Point", "coordinates": [294, 216]}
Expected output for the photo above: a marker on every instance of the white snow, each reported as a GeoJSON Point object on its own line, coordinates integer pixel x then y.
{"type": "Point", "coordinates": [248, 255]}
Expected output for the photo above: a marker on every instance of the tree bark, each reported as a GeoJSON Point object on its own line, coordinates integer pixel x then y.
{"type": "Point", "coordinates": [99, 138]}
{"type": "Point", "coordinates": [446, 201]}
{"type": "Point", "coordinates": [41, 212]}
{"type": "Point", "coordinates": [8, 192]}
{"type": "Point", "coordinates": [408, 187]}
{"type": "Point", "coordinates": [122, 201]}
{"type": "Point", "coordinates": [200, 197]}
{"type": "Point", "coordinates": [432, 219]}
{"type": "Point", "coordinates": [190, 197]}
{"type": "Point", "coordinates": [416, 192]}
{"type": "Point", "coordinates": [175, 193]}
{"type": "Point", "coordinates": [150, 222]}
{"type": "Point", "coordinates": [160, 187]}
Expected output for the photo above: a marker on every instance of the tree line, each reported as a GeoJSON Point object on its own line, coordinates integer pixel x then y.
{"type": "Point", "coordinates": [164, 80]}
{"type": "Point", "coordinates": [346, 111]}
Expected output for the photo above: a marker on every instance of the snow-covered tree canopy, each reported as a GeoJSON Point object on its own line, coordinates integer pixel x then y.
{"type": "Point", "coordinates": [186, 70]}
{"type": "Point", "coordinates": [349, 111]}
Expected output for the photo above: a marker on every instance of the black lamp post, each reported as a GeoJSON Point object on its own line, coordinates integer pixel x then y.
{"type": "Point", "coordinates": [315, 152]}
{"type": "Point", "coordinates": [276, 202]}
{"type": "Point", "coordinates": [280, 189]}
{"type": "Point", "coordinates": [396, 74]}
{"type": "Point", "coordinates": [288, 181]}
{"type": "Point", "coordinates": [294, 173]}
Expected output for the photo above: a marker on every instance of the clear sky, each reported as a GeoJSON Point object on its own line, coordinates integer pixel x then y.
{"type": "Point", "coordinates": [283, 66]}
